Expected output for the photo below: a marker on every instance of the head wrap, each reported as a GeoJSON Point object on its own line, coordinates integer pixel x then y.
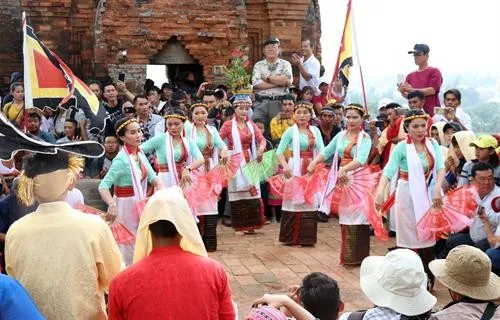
{"type": "Point", "coordinates": [170, 205]}
{"type": "Point", "coordinates": [48, 186]}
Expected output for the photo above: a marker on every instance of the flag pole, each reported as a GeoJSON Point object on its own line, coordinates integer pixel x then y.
{"type": "Point", "coordinates": [356, 52]}
{"type": "Point", "coordinates": [335, 73]}
{"type": "Point", "coordinates": [28, 97]}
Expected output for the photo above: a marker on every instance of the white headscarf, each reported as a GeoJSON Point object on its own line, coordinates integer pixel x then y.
{"type": "Point", "coordinates": [168, 204]}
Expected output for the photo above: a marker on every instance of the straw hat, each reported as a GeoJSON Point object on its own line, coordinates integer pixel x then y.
{"type": "Point", "coordinates": [397, 281]}
{"type": "Point", "coordinates": [467, 271]}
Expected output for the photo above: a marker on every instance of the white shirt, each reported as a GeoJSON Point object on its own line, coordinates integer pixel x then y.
{"type": "Point", "coordinates": [312, 67]}
{"type": "Point", "coordinates": [476, 230]}
{"type": "Point", "coordinates": [464, 118]}
{"type": "Point", "coordinates": [74, 197]}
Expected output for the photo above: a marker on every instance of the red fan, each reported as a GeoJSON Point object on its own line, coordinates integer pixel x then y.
{"type": "Point", "coordinates": [454, 215]}
{"type": "Point", "coordinates": [277, 185]}
{"type": "Point", "coordinates": [222, 173]}
{"type": "Point", "coordinates": [294, 190]}
{"type": "Point", "coordinates": [316, 182]}
{"type": "Point", "coordinates": [121, 234]}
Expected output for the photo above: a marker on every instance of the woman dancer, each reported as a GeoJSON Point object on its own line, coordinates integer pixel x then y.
{"type": "Point", "coordinates": [210, 144]}
{"type": "Point", "coordinates": [177, 156]}
{"type": "Point", "coordinates": [298, 221]}
{"type": "Point", "coordinates": [351, 147]}
{"type": "Point", "coordinates": [244, 136]}
{"type": "Point", "coordinates": [420, 164]}
{"type": "Point", "coordinates": [129, 173]}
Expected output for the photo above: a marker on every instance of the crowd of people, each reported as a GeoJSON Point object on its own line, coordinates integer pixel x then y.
{"type": "Point", "coordinates": [159, 143]}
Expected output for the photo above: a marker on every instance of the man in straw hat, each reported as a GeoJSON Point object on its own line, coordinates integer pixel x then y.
{"type": "Point", "coordinates": [466, 272]}
{"type": "Point", "coordinates": [64, 258]}
{"type": "Point", "coordinates": [396, 284]}
{"type": "Point", "coordinates": [172, 276]}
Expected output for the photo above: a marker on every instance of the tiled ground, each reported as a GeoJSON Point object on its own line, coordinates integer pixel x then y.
{"type": "Point", "coordinates": [258, 264]}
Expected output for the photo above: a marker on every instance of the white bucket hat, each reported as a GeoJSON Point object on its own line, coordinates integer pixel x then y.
{"type": "Point", "coordinates": [397, 281]}
{"type": "Point", "coordinates": [467, 271]}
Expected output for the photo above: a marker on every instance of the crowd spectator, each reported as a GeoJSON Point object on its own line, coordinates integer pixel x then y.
{"type": "Point", "coordinates": [426, 79]}
{"type": "Point", "coordinates": [166, 92]}
{"type": "Point", "coordinates": [14, 109]}
{"type": "Point", "coordinates": [147, 119]}
{"type": "Point", "coordinates": [396, 284]}
{"type": "Point", "coordinates": [102, 164]}
{"type": "Point", "coordinates": [172, 277]}
{"type": "Point", "coordinates": [156, 104]}
{"type": "Point", "coordinates": [65, 284]}
{"type": "Point", "coordinates": [307, 94]}
{"type": "Point", "coordinates": [96, 87]}
{"type": "Point", "coordinates": [33, 127]}
{"type": "Point", "coordinates": [466, 273]}
{"type": "Point", "coordinates": [71, 132]}
{"type": "Point", "coordinates": [339, 92]}
{"type": "Point", "coordinates": [321, 99]}
{"type": "Point", "coordinates": [283, 120]}
{"type": "Point", "coordinates": [452, 101]}
{"type": "Point", "coordinates": [270, 79]}
{"type": "Point", "coordinates": [15, 302]}
{"type": "Point", "coordinates": [482, 179]}
{"type": "Point", "coordinates": [15, 79]}
{"type": "Point", "coordinates": [484, 146]}
{"type": "Point", "coordinates": [308, 65]}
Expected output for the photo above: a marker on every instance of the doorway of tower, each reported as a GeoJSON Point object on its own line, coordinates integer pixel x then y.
{"type": "Point", "coordinates": [183, 71]}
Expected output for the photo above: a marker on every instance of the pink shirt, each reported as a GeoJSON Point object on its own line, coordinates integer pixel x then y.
{"type": "Point", "coordinates": [429, 77]}
{"type": "Point", "coordinates": [171, 284]}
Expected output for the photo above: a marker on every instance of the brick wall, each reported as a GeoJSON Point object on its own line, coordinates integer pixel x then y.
{"type": "Point", "coordinates": [88, 34]}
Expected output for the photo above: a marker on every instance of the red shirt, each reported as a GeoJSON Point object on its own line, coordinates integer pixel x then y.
{"type": "Point", "coordinates": [171, 283]}
{"type": "Point", "coordinates": [429, 77]}
{"type": "Point", "coordinates": [320, 99]}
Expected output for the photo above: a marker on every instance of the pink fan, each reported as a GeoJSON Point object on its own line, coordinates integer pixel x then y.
{"type": "Point", "coordinates": [294, 190]}
{"type": "Point", "coordinates": [277, 185]}
{"type": "Point", "coordinates": [90, 210]}
{"type": "Point", "coordinates": [463, 199]}
{"type": "Point", "coordinates": [121, 234]}
{"type": "Point", "coordinates": [360, 184]}
{"type": "Point", "coordinates": [199, 191]}
{"type": "Point", "coordinates": [139, 208]}
{"type": "Point", "coordinates": [222, 173]}
{"type": "Point", "coordinates": [454, 215]}
{"type": "Point", "coordinates": [316, 182]}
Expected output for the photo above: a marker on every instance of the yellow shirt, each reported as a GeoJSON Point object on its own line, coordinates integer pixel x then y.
{"type": "Point", "coordinates": [13, 111]}
{"type": "Point", "coordinates": [65, 259]}
{"type": "Point", "coordinates": [278, 127]}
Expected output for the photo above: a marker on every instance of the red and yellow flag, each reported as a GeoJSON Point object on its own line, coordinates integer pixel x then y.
{"type": "Point", "coordinates": [49, 82]}
{"type": "Point", "coordinates": [344, 59]}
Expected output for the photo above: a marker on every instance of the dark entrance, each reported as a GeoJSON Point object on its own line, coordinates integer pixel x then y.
{"type": "Point", "coordinates": [179, 63]}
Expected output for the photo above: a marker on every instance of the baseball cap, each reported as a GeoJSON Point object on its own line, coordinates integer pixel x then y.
{"type": "Point", "coordinates": [271, 41]}
{"type": "Point", "coordinates": [453, 125]}
{"type": "Point", "coordinates": [484, 141]}
{"type": "Point", "coordinates": [420, 47]}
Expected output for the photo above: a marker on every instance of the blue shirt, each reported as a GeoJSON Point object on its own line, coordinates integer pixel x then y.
{"type": "Point", "coordinates": [15, 302]}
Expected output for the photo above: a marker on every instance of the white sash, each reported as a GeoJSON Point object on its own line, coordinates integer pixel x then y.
{"type": "Point", "coordinates": [242, 183]}
{"type": "Point", "coordinates": [296, 161]}
{"type": "Point", "coordinates": [214, 159]}
{"type": "Point", "coordinates": [332, 177]}
{"type": "Point", "coordinates": [172, 169]}
{"type": "Point", "coordinates": [138, 186]}
{"type": "Point", "coordinates": [416, 179]}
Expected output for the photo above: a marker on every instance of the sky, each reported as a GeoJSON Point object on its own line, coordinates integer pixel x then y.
{"type": "Point", "coordinates": [463, 35]}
